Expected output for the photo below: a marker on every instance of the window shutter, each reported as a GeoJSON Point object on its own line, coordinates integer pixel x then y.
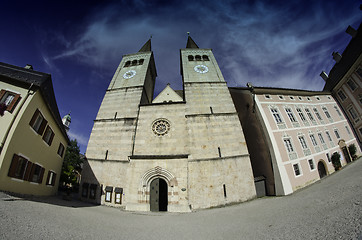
{"type": "Point", "coordinates": [13, 166]}
{"type": "Point", "coordinates": [32, 172]}
{"type": "Point", "coordinates": [41, 175]}
{"type": "Point", "coordinates": [54, 178]}
{"type": "Point", "coordinates": [32, 121]}
{"type": "Point", "coordinates": [42, 126]}
{"type": "Point", "coordinates": [28, 171]}
{"type": "Point", "coordinates": [51, 138]}
{"type": "Point", "coordinates": [13, 104]}
{"type": "Point", "coordinates": [2, 93]}
{"type": "Point", "coordinates": [47, 182]}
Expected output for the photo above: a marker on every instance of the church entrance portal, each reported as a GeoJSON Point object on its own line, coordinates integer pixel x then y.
{"type": "Point", "coordinates": [158, 195]}
{"type": "Point", "coordinates": [321, 170]}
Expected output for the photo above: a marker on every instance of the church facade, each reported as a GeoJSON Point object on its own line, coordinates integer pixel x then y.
{"type": "Point", "coordinates": [183, 150]}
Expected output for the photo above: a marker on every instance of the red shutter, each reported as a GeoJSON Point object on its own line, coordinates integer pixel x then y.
{"type": "Point", "coordinates": [42, 126]}
{"type": "Point", "coordinates": [41, 175]}
{"type": "Point", "coordinates": [54, 178]}
{"type": "Point", "coordinates": [51, 138]}
{"type": "Point", "coordinates": [32, 121]}
{"type": "Point", "coordinates": [2, 93]}
{"type": "Point", "coordinates": [13, 104]}
{"type": "Point", "coordinates": [47, 183]}
{"type": "Point", "coordinates": [28, 171]}
{"type": "Point", "coordinates": [13, 166]}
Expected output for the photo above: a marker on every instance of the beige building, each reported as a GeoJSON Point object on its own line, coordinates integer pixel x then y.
{"type": "Point", "coordinates": [345, 81]}
{"type": "Point", "coordinates": [33, 139]}
{"type": "Point", "coordinates": [291, 135]}
{"type": "Point", "coordinates": [183, 150]}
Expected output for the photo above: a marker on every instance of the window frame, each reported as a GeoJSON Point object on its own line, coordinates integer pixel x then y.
{"type": "Point", "coordinates": [297, 170]}
{"type": "Point", "coordinates": [302, 142]}
{"type": "Point", "coordinates": [288, 145]}
{"type": "Point", "coordinates": [311, 164]}
{"type": "Point", "coordinates": [51, 178]}
{"type": "Point", "coordinates": [314, 141]}
{"type": "Point", "coordinates": [341, 95]}
{"type": "Point", "coordinates": [38, 125]}
{"type": "Point", "coordinates": [13, 103]}
{"type": "Point", "coordinates": [351, 82]}
{"type": "Point", "coordinates": [290, 114]}
{"type": "Point", "coordinates": [276, 115]}
{"type": "Point", "coordinates": [61, 149]}
{"type": "Point", "coordinates": [48, 138]}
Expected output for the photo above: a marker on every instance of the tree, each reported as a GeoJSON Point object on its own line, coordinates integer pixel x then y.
{"type": "Point", "coordinates": [71, 164]}
{"type": "Point", "coordinates": [336, 161]}
{"type": "Point", "coordinates": [352, 150]}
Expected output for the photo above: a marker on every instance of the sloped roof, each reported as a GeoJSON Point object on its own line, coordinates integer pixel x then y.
{"type": "Point", "coordinates": [349, 57]}
{"type": "Point", "coordinates": [146, 47]}
{"type": "Point", "coordinates": [191, 43]}
{"type": "Point", "coordinates": [25, 78]}
{"type": "Point", "coordinates": [168, 95]}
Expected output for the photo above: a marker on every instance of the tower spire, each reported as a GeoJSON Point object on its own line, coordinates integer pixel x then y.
{"type": "Point", "coordinates": [190, 42]}
{"type": "Point", "coordinates": [147, 46]}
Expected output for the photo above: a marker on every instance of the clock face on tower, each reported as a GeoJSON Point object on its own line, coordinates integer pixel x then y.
{"type": "Point", "coordinates": [201, 69]}
{"type": "Point", "coordinates": [129, 74]}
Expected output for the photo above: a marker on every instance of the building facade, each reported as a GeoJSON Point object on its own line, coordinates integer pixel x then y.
{"type": "Point", "coordinates": [291, 135]}
{"type": "Point", "coordinates": [33, 139]}
{"type": "Point", "coordinates": [345, 81]}
{"type": "Point", "coordinates": [183, 151]}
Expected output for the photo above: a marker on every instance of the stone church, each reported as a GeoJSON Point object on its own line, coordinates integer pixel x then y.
{"type": "Point", "coordinates": [182, 150]}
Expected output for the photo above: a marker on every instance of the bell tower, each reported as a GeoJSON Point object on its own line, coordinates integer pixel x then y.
{"type": "Point", "coordinates": [133, 84]}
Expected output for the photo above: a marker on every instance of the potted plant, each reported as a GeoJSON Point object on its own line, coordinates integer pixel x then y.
{"type": "Point", "coordinates": [352, 150]}
{"type": "Point", "coordinates": [336, 161]}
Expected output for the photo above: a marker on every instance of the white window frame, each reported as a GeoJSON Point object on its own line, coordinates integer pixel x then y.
{"type": "Point", "coordinates": [276, 115]}
{"type": "Point", "coordinates": [299, 170]}
{"type": "Point", "coordinates": [314, 141]}
{"type": "Point", "coordinates": [290, 114]}
{"type": "Point", "coordinates": [310, 165]}
{"type": "Point", "coordinates": [302, 142]}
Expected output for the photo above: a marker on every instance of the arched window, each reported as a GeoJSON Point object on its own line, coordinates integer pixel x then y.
{"type": "Point", "coordinates": [134, 62]}
{"type": "Point", "coordinates": [205, 58]}
{"type": "Point", "coordinates": [128, 63]}
{"type": "Point", "coordinates": [198, 58]}
{"type": "Point", "coordinates": [191, 58]}
{"type": "Point", "coordinates": [140, 62]}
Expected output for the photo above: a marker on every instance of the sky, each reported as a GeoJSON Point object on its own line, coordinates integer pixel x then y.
{"type": "Point", "coordinates": [282, 44]}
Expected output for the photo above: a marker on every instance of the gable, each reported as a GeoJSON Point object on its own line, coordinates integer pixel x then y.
{"type": "Point", "coordinates": [167, 95]}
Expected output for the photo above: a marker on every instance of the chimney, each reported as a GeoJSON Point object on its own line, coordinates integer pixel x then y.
{"type": "Point", "coordinates": [28, 66]}
{"type": "Point", "coordinates": [336, 56]}
{"type": "Point", "coordinates": [324, 75]}
{"type": "Point", "coordinates": [351, 31]}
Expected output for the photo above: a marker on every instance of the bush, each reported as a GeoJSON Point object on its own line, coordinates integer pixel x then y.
{"type": "Point", "coordinates": [336, 161]}
{"type": "Point", "coordinates": [352, 150]}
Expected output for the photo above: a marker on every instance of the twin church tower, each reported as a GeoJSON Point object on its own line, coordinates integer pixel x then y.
{"type": "Point", "coordinates": [182, 150]}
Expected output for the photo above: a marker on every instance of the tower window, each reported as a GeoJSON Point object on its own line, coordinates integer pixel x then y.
{"type": "Point", "coordinates": [198, 58]}
{"type": "Point", "coordinates": [140, 62]}
{"type": "Point", "coordinates": [205, 58]}
{"type": "Point", "coordinates": [128, 63]}
{"type": "Point", "coordinates": [191, 58]}
{"type": "Point", "coordinates": [134, 62]}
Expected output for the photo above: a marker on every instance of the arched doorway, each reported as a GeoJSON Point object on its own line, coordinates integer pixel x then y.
{"type": "Point", "coordinates": [322, 170]}
{"type": "Point", "coordinates": [158, 195]}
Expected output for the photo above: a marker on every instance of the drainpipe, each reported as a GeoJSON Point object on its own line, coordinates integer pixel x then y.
{"type": "Point", "coordinates": [14, 118]}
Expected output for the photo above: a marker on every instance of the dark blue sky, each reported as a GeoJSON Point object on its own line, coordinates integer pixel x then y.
{"type": "Point", "coordinates": [80, 43]}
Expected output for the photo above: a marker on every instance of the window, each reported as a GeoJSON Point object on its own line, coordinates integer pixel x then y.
{"type": "Point", "coordinates": [308, 98]}
{"type": "Point", "coordinates": [85, 187]}
{"type": "Point", "coordinates": [300, 98]}
{"type": "Point", "coordinates": [93, 191]}
{"type": "Point", "coordinates": [321, 138]}
{"type": "Point", "coordinates": [337, 110]}
{"type": "Point", "coordinates": [140, 62]}
{"type": "Point", "coordinates": [9, 100]}
{"type": "Point", "coordinates": [328, 157]}
{"type": "Point", "coordinates": [288, 145]}
{"type": "Point", "coordinates": [281, 97]}
{"type": "Point", "coordinates": [329, 136]}
{"type": "Point", "coordinates": [301, 115]}
{"type": "Point", "coordinates": [109, 191]}
{"type": "Point", "coordinates": [48, 136]}
{"type": "Point", "coordinates": [190, 57]}
{"type": "Point", "coordinates": [61, 149]}
{"type": "Point", "coordinates": [353, 114]}
{"type": "Point", "coordinates": [51, 178]}
{"type": "Point", "coordinates": [311, 164]}
{"type": "Point", "coordinates": [118, 197]}
{"type": "Point", "coordinates": [302, 142]}
{"type": "Point", "coordinates": [337, 133]}
{"type": "Point", "coordinates": [314, 142]}
{"type": "Point", "coordinates": [291, 97]}
{"type": "Point", "coordinates": [36, 174]}
{"type": "Point", "coordinates": [276, 115]}
{"type": "Point", "coordinates": [128, 63]}
{"type": "Point", "coordinates": [317, 114]}
{"type": "Point", "coordinates": [18, 167]}
{"type": "Point", "coordinates": [290, 115]}
{"type": "Point", "coordinates": [348, 131]}
{"type": "Point", "coordinates": [318, 99]}
{"type": "Point", "coordinates": [205, 58]}
{"type": "Point", "coordinates": [309, 114]}
{"type": "Point", "coordinates": [326, 112]}
{"type": "Point", "coordinates": [341, 95]}
{"type": "Point", "coordinates": [359, 72]}
{"type": "Point", "coordinates": [296, 169]}
{"type": "Point", "coordinates": [38, 122]}
{"type": "Point", "coordinates": [351, 84]}
{"type": "Point", "coordinates": [134, 62]}
{"type": "Point", "coordinates": [198, 58]}
{"type": "Point", "coordinates": [267, 96]}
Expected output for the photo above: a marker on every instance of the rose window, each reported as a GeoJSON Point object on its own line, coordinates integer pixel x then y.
{"type": "Point", "coordinates": [160, 127]}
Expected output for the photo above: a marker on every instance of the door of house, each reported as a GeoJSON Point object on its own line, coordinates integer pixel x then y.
{"type": "Point", "coordinates": [346, 154]}
{"type": "Point", "coordinates": [321, 170]}
{"type": "Point", "coordinates": [158, 195]}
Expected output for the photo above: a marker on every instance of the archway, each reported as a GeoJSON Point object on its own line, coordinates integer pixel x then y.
{"type": "Point", "coordinates": [322, 169]}
{"type": "Point", "coordinates": [158, 195]}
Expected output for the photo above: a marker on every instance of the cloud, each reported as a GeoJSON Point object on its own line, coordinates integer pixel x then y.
{"type": "Point", "coordinates": [81, 139]}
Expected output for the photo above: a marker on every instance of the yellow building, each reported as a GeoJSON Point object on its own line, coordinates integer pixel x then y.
{"type": "Point", "coordinates": [33, 138]}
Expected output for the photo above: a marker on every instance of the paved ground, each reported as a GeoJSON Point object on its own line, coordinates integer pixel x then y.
{"type": "Point", "coordinates": [329, 209]}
